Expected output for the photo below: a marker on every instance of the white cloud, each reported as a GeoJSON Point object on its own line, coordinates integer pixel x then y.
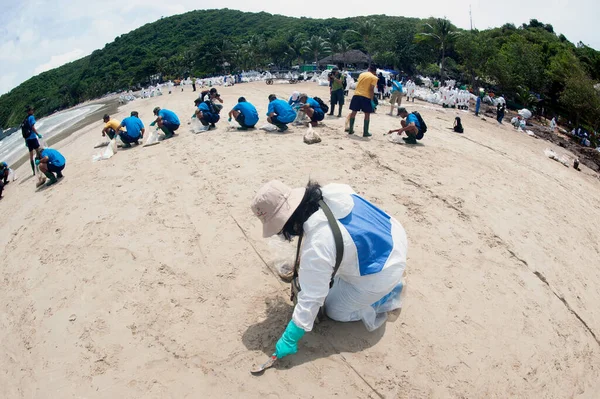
{"type": "Point", "coordinates": [40, 35]}
{"type": "Point", "coordinates": [58, 60]}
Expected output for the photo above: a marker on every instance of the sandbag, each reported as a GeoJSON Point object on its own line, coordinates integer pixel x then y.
{"type": "Point", "coordinates": [152, 138]}
{"type": "Point", "coordinates": [525, 113]}
{"type": "Point", "coordinates": [311, 137]}
{"type": "Point", "coordinates": [110, 150]}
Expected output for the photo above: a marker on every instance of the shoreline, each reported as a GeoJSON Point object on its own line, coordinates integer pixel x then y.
{"type": "Point", "coordinates": [110, 106]}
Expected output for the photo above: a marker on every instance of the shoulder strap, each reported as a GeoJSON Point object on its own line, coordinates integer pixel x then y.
{"type": "Point", "coordinates": [337, 237]}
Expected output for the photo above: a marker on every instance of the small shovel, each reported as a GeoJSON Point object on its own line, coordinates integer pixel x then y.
{"type": "Point", "coordinates": [258, 370]}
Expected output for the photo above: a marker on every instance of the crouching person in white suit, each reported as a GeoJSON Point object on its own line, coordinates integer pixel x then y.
{"type": "Point", "coordinates": [369, 280]}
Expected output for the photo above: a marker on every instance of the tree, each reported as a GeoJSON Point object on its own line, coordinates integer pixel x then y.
{"type": "Point", "coordinates": [344, 47]}
{"type": "Point", "coordinates": [334, 38]}
{"type": "Point", "coordinates": [316, 46]}
{"type": "Point", "coordinates": [581, 99]}
{"type": "Point", "coordinates": [440, 34]}
{"type": "Point", "coordinates": [366, 30]}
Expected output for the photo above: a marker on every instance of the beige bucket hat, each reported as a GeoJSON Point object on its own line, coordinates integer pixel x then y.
{"type": "Point", "coordinates": [274, 204]}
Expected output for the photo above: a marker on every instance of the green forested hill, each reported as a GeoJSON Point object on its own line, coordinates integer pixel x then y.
{"type": "Point", "coordinates": [523, 63]}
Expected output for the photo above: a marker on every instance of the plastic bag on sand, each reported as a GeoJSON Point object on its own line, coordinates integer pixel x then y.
{"type": "Point", "coordinates": [197, 126]}
{"type": "Point", "coordinates": [395, 138]}
{"type": "Point", "coordinates": [312, 137]}
{"type": "Point", "coordinates": [282, 257]}
{"type": "Point", "coordinates": [552, 155]}
{"type": "Point", "coordinates": [102, 144]}
{"type": "Point", "coordinates": [375, 315]}
{"type": "Point", "coordinates": [109, 151]}
{"type": "Point", "coordinates": [525, 113]}
{"type": "Point", "coordinates": [152, 138]}
{"type": "Point", "coordinates": [268, 127]}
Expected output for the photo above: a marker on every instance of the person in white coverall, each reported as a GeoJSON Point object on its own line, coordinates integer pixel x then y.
{"type": "Point", "coordinates": [369, 280]}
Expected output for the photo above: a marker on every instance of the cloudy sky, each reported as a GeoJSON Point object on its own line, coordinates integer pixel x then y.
{"type": "Point", "coordinates": [38, 35]}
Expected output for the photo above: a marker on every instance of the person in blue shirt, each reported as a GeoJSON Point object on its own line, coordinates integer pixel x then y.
{"type": "Point", "coordinates": [410, 126]}
{"type": "Point", "coordinates": [396, 97]}
{"type": "Point", "coordinates": [312, 109]}
{"type": "Point", "coordinates": [294, 100]}
{"type": "Point", "coordinates": [31, 141]}
{"type": "Point", "coordinates": [167, 121]}
{"type": "Point", "coordinates": [244, 113]}
{"type": "Point", "coordinates": [207, 113]}
{"type": "Point", "coordinates": [135, 130]}
{"type": "Point", "coordinates": [4, 170]}
{"type": "Point", "coordinates": [50, 162]}
{"type": "Point", "coordinates": [280, 113]}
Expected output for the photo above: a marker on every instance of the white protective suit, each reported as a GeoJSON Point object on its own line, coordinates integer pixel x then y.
{"type": "Point", "coordinates": [372, 267]}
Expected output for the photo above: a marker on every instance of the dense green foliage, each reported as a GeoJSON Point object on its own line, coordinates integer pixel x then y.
{"type": "Point", "coordinates": [522, 63]}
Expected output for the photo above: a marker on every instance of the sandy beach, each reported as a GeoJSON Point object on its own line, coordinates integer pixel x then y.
{"type": "Point", "coordinates": [146, 276]}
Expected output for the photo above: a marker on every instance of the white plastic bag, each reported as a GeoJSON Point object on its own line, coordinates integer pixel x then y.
{"type": "Point", "coordinates": [552, 155]}
{"type": "Point", "coordinates": [283, 254]}
{"type": "Point", "coordinates": [110, 150]}
{"type": "Point", "coordinates": [311, 137]}
{"type": "Point", "coordinates": [197, 126]}
{"type": "Point", "coordinates": [395, 138]}
{"type": "Point", "coordinates": [152, 138]}
{"type": "Point", "coordinates": [525, 113]}
{"type": "Point", "coordinates": [268, 127]}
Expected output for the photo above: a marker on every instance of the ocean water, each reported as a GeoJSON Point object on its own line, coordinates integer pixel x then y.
{"type": "Point", "coordinates": [13, 147]}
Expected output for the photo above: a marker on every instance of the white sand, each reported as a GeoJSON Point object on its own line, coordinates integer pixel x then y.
{"type": "Point", "coordinates": [158, 256]}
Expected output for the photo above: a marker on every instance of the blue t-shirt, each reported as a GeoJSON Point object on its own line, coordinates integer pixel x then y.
{"type": "Point", "coordinates": [396, 86]}
{"type": "Point", "coordinates": [412, 118]}
{"type": "Point", "coordinates": [314, 104]}
{"type": "Point", "coordinates": [31, 122]}
{"type": "Point", "coordinates": [249, 111]}
{"type": "Point", "coordinates": [54, 157]}
{"type": "Point", "coordinates": [134, 126]}
{"type": "Point", "coordinates": [168, 116]}
{"type": "Point", "coordinates": [203, 106]}
{"type": "Point", "coordinates": [284, 112]}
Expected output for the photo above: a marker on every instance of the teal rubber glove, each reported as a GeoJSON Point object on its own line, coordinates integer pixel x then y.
{"type": "Point", "coordinates": [229, 120]}
{"type": "Point", "coordinates": [37, 161]}
{"type": "Point", "coordinates": [288, 343]}
{"type": "Point", "coordinates": [153, 123]}
{"type": "Point", "coordinates": [39, 136]}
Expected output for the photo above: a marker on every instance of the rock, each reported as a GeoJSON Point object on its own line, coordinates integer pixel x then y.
{"type": "Point", "coordinates": [73, 317]}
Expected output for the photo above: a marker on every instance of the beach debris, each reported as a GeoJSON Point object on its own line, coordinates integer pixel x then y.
{"type": "Point", "coordinates": [576, 163]}
{"type": "Point", "coordinates": [152, 138]}
{"type": "Point", "coordinates": [552, 155]}
{"type": "Point", "coordinates": [102, 144]}
{"type": "Point", "coordinates": [73, 317]}
{"type": "Point", "coordinates": [530, 133]}
{"type": "Point", "coordinates": [259, 369]}
{"type": "Point", "coordinates": [268, 127]}
{"type": "Point", "coordinates": [312, 137]}
{"type": "Point", "coordinates": [395, 138]}
{"type": "Point", "coordinates": [110, 150]}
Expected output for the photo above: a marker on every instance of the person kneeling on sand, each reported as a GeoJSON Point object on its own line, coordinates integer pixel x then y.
{"type": "Point", "coordinates": [207, 113]}
{"type": "Point", "coordinates": [4, 170]}
{"type": "Point", "coordinates": [280, 113]}
{"type": "Point", "coordinates": [412, 126]}
{"type": "Point", "coordinates": [50, 161]}
{"type": "Point", "coordinates": [244, 113]}
{"type": "Point", "coordinates": [167, 121]}
{"type": "Point", "coordinates": [352, 255]}
{"type": "Point", "coordinates": [312, 109]}
{"type": "Point", "coordinates": [134, 129]}
{"type": "Point", "coordinates": [111, 127]}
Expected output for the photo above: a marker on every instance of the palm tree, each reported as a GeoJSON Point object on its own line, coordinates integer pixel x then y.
{"type": "Point", "coordinates": [366, 30]}
{"type": "Point", "coordinates": [295, 46]}
{"type": "Point", "coordinates": [222, 52]}
{"type": "Point", "coordinates": [316, 46]}
{"type": "Point", "coordinates": [334, 37]}
{"type": "Point", "coordinates": [439, 35]}
{"type": "Point", "coordinates": [344, 47]}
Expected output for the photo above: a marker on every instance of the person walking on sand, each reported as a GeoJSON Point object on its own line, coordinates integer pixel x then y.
{"type": "Point", "coordinates": [245, 114]}
{"type": "Point", "coordinates": [50, 162]}
{"type": "Point", "coordinates": [362, 99]}
{"type": "Point", "coordinates": [134, 130]}
{"type": "Point", "coordinates": [167, 121]}
{"type": "Point", "coordinates": [352, 255]}
{"type": "Point", "coordinates": [396, 96]}
{"type": "Point", "coordinates": [280, 113]}
{"type": "Point", "coordinates": [111, 127]}
{"type": "Point", "coordinates": [31, 135]}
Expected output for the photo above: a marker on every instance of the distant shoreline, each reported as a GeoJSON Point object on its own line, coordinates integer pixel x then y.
{"type": "Point", "coordinates": [110, 106]}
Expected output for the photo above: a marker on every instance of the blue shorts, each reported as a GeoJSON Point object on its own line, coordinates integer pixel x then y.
{"type": "Point", "coordinates": [125, 138]}
{"type": "Point", "coordinates": [317, 116]}
{"type": "Point", "coordinates": [55, 169]}
{"type": "Point", "coordinates": [275, 119]}
{"type": "Point", "coordinates": [360, 103]}
{"type": "Point", "coordinates": [170, 126]}
{"type": "Point", "coordinates": [32, 144]}
{"type": "Point", "coordinates": [209, 117]}
{"type": "Point", "coordinates": [241, 119]}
